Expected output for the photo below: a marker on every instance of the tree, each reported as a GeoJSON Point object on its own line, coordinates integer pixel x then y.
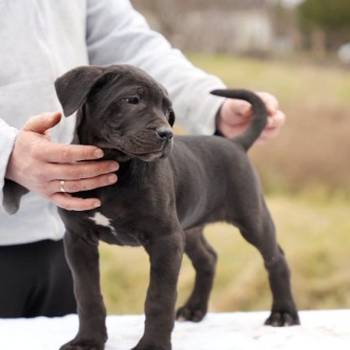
{"type": "Point", "coordinates": [330, 18]}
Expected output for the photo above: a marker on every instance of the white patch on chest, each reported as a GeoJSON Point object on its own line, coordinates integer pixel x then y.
{"type": "Point", "coordinates": [102, 220]}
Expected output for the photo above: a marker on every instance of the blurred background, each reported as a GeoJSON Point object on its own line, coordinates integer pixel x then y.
{"type": "Point", "coordinates": [300, 52]}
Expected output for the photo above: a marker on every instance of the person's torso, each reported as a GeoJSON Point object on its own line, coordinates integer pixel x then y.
{"type": "Point", "coordinates": [39, 40]}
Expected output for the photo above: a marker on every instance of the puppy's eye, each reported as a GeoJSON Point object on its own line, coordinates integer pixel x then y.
{"type": "Point", "coordinates": [169, 112]}
{"type": "Point", "coordinates": [134, 100]}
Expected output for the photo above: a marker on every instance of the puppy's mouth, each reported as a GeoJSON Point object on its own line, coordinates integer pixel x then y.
{"type": "Point", "coordinates": [149, 156]}
{"type": "Point", "coordinates": [145, 155]}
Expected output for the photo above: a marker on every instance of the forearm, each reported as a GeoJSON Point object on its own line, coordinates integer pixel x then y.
{"type": "Point", "coordinates": [117, 34]}
{"type": "Point", "coordinates": [7, 140]}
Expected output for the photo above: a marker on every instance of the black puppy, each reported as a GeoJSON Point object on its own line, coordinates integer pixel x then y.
{"type": "Point", "coordinates": [161, 201]}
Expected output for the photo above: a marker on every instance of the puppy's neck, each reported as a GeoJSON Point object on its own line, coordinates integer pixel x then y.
{"type": "Point", "coordinates": [114, 154]}
{"type": "Point", "coordinates": [135, 172]}
{"type": "Point", "coordinates": [131, 170]}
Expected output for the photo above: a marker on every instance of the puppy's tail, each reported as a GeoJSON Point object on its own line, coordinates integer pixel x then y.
{"type": "Point", "coordinates": [259, 119]}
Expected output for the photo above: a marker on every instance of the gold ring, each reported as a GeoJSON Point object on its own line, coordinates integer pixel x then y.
{"type": "Point", "coordinates": [62, 190]}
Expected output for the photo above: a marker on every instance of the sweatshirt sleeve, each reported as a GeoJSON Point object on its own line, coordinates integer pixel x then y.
{"type": "Point", "coordinates": [118, 34]}
{"type": "Point", "coordinates": [7, 139]}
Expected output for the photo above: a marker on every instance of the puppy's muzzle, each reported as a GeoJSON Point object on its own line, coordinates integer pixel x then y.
{"type": "Point", "coordinates": [165, 134]}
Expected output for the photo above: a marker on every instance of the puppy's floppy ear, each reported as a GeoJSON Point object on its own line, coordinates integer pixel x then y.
{"type": "Point", "coordinates": [73, 87]}
{"type": "Point", "coordinates": [172, 117]}
{"type": "Point", "coordinates": [12, 194]}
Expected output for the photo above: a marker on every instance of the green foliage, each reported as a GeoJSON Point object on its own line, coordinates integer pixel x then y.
{"type": "Point", "coordinates": [325, 14]}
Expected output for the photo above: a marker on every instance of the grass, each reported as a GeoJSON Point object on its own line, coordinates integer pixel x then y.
{"type": "Point", "coordinates": [314, 232]}
{"type": "Point", "coordinates": [305, 173]}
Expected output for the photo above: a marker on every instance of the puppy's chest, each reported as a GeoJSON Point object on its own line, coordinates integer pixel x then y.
{"type": "Point", "coordinates": [102, 221]}
{"type": "Point", "coordinates": [127, 215]}
{"type": "Point", "coordinates": [123, 219]}
{"type": "Point", "coordinates": [114, 229]}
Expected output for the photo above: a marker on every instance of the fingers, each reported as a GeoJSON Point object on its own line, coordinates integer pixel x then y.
{"type": "Point", "coordinates": [58, 153]}
{"type": "Point", "coordinates": [82, 185]}
{"type": "Point", "coordinates": [66, 201]}
{"type": "Point", "coordinates": [274, 126]}
{"type": "Point", "coordinates": [78, 171]}
{"type": "Point", "coordinates": [276, 121]}
{"type": "Point", "coordinates": [235, 112]}
{"type": "Point", "coordinates": [242, 108]}
{"type": "Point", "coordinates": [232, 130]}
{"type": "Point", "coordinates": [38, 165]}
{"type": "Point", "coordinates": [270, 101]}
{"type": "Point", "coordinates": [41, 123]}
{"type": "Point", "coordinates": [235, 117]}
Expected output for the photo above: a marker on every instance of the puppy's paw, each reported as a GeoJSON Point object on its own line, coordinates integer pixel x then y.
{"type": "Point", "coordinates": [190, 313]}
{"type": "Point", "coordinates": [82, 345]}
{"type": "Point", "coordinates": [283, 319]}
{"type": "Point", "coordinates": [151, 344]}
{"type": "Point", "coordinates": [151, 347]}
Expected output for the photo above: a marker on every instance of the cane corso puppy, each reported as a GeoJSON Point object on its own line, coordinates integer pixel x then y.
{"type": "Point", "coordinates": [168, 189]}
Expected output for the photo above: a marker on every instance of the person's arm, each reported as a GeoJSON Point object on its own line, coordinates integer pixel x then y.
{"type": "Point", "coordinates": [117, 34]}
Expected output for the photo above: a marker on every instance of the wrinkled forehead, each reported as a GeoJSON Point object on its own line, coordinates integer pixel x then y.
{"type": "Point", "coordinates": [133, 79]}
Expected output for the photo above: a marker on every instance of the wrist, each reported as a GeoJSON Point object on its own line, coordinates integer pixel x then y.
{"type": "Point", "coordinates": [218, 122]}
{"type": "Point", "coordinates": [10, 172]}
{"type": "Point", "coordinates": [8, 137]}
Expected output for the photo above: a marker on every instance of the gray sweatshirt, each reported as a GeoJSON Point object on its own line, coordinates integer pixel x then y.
{"type": "Point", "coordinates": [42, 39]}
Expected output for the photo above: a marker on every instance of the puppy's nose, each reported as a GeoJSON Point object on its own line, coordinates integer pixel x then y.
{"type": "Point", "coordinates": [164, 133]}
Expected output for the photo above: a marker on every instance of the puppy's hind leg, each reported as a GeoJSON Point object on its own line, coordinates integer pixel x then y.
{"type": "Point", "coordinates": [203, 258]}
{"type": "Point", "coordinates": [259, 230]}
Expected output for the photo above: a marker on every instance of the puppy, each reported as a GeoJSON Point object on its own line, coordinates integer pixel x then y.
{"type": "Point", "coordinates": [168, 189]}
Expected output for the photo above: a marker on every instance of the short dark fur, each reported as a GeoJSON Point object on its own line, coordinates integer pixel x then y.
{"type": "Point", "coordinates": [160, 202]}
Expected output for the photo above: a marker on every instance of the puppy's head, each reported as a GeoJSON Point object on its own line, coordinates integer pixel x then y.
{"type": "Point", "coordinates": [119, 108]}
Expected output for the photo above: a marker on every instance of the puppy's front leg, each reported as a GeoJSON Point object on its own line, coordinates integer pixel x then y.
{"type": "Point", "coordinates": [83, 258]}
{"type": "Point", "coordinates": [165, 257]}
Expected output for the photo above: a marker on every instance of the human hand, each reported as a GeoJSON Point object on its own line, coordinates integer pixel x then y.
{"type": "Point", "coordinates": [235, 116]}
{"type": "Point", "coordinates": [40, 165]}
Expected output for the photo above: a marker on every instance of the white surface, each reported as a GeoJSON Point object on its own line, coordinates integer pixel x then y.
{"type": "Point", "coordinates": [236, 331]}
